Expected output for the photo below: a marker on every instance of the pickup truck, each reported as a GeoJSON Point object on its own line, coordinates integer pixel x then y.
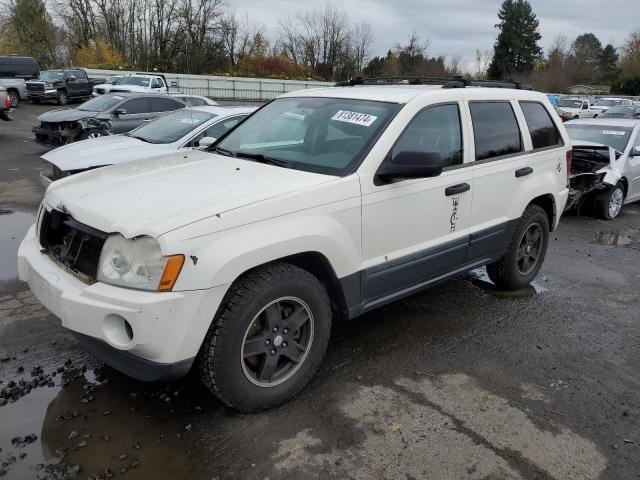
{"type": "Point", "coordinates": [16, 89]}
{"type": "Point", "coordinates": [135, 83]}
{"type": "Point", "coordinates": [62, 85]}
{"type": "Point", "coordinates": [575, 107]}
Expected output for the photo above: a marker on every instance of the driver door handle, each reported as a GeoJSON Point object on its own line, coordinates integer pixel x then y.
{"type": "Point", "coordinates": [456, 189]}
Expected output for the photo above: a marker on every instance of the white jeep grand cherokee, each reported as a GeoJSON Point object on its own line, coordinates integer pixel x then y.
{"type": "Point", "coordinates": [321, 206]}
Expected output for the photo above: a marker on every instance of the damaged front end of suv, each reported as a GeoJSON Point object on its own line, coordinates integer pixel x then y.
{"type": "Point", "coordinates": [593, 170]}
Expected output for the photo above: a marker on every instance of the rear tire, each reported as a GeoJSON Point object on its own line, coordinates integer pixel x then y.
{"type": "Point", "coordinates": [525, 253]}
{"type": "Point", "coordinates": [270, 316]}
{"type": "Point", "coordinates": [608, 203]}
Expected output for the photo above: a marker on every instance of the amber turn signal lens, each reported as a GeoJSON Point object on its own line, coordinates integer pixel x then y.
{"type": "Point", "coordinates": [171, 272]}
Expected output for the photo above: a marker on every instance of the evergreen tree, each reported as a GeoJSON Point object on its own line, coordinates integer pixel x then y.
{"type": "Point", "coordinates": [587, 52]}
{"type": "Point", "coordinates": [609, 64]}
{"type": "Point", "coordinates": [516, 49]}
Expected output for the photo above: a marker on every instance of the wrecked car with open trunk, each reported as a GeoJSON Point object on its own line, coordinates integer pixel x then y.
{"type": "Point", "coordinates": [605, 172]}
{"type": "Point", "coordinates": [101, 116]}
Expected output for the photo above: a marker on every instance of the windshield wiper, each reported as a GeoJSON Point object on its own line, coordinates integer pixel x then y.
{"type": "Point", "coordinates": [223, 151]}
{"type": "Point", "coordinates": [260, 158]}
{"type": "Point", "coordinates": [141, 138]}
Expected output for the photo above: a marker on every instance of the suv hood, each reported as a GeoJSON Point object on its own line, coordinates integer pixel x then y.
{"type": "Point", "coordinates": [65, 115]}
{"type": "Point", "coordinates": [162, 193]}
{"type": "Point", "coordinates": [97, 152]}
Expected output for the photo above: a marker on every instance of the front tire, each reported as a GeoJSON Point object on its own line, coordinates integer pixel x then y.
{"type": "Point", "coordinates": [608, 203]}
{"type": "Point", "coordinates": [525, 253]}
{"type": "Point", "coordinates": [267, 339]}
{"type": "Point", "coordinates": [93, 133]}
{"type": "Point", "coordinates": [61, 98]}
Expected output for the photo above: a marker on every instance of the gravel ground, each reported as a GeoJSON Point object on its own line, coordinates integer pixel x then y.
{"type": "Point", "coordinates": [461, 381]}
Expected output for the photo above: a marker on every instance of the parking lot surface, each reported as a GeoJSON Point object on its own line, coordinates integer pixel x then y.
{"type": "Point", "coordinates": [460, 381]}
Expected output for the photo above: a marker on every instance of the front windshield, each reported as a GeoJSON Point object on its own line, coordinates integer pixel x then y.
{"type": "Point", "coordinates": [570, 103]}
{"type": "Point", "coordinates": [607, 103]}
{"type": "Point", "coordinates": [101, 103]}
{"type": "Point", "coordinates": [51, 76]}
{"type": "Point", "coordinates": [324, 135]}
{"type": "Point", "coordinates": [613, 136]}
{"type": "Point", "coordinates": [171, 127]}
{"type": "Point", "coordinates": [115, 79]}
{"type": "Point", "coordinates": [140, 81]}
{"type": "Point", "coordinates": [620, 112]}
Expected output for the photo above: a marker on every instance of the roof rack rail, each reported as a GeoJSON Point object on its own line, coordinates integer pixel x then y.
{"type": "Point", "coordinates": [446, 82]}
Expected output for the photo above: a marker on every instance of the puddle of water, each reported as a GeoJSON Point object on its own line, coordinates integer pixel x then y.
{"type": "Point", "coordinates": [13, 226]}
{"type": "Point", "coordinates": [612, 238]}
{"type": "Point", "coordinates": [480, 278]}
{"type": "Point", "coordinates": [126, 426]}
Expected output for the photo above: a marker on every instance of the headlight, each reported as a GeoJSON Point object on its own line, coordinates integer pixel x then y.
{"type": "Point", "coordinates": [50, 86]}
{"type": "Point", "coordinates": [137, 263]}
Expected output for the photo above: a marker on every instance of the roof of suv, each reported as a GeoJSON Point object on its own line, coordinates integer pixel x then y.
{"type": "Point", "coordinates": [401, 93]}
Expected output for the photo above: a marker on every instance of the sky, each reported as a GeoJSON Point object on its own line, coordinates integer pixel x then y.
{"type": "Point", "coordinates": [459, 27]}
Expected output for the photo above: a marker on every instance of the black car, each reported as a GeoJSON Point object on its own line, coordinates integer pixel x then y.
{"type": "Point", "coordinates": [104, 115]}
{"type": "Point", "coordinates": [621, 112]}
{"type": "Point", "coordinates": [13, 66]}
{"type": "Point", "coordinates": [62, 85]}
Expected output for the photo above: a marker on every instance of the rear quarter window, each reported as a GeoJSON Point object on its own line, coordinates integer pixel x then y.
{"type": "Point", "coordinates": [543, 131]}
{"type": "Point", "coordinates": [495, 129]}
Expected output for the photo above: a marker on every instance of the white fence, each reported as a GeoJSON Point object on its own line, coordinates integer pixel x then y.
{"type": "Point", "coordinates": [226, 88]}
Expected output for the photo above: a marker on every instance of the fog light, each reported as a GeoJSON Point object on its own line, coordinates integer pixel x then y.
{"type": "Point", "coordinates": [117, 330]}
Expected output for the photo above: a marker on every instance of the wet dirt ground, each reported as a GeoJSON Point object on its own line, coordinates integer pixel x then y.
{"type": "Point", "coordinates": [461, 381]}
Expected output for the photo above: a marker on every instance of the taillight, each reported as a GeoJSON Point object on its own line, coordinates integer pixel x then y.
{"type": "Point", "coordinates": [7, 101]}
{"type": "Point", "coordinates": [569, 160]}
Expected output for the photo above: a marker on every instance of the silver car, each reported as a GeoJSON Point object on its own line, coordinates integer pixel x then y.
{"type": "Point", "coordinates": [196, 127]}
{"type": "Point", "coordinates": [605, 171]}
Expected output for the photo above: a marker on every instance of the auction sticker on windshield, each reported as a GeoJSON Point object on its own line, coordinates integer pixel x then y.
{"type": "Point", "coordinates": [613, 132]}
{"type": "Point", "coordinates": [363, 119]}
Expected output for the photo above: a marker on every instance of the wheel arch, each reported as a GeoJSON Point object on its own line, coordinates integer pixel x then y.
{"type": "Point", "coordinates": [548, 204]}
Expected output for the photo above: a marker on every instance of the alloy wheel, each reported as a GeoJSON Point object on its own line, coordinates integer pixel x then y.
{"type": "Point", "coordinates": [615, 202]}
{"type": "Point", "coordinates": [530, 248]}
{"type": "Point", "coordinates": [277, 341]}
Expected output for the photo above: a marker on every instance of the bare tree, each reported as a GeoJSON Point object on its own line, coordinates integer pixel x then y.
{"type": "Point", "coordinates": [361, 40]}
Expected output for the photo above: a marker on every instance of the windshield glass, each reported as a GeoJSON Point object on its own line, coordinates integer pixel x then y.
{"type": "Point", "coordinates": [171, 127]}
{"type": "Point", "coordinates": [324, 135]}
{"type": "Point", "coordinates": [101, 103]}
{"type": "Point", "coordinates": [620, 112]}
{"type": "Point", "coordinates": [613, 136]}
{"type": "Point", "coordinates": [51, 76]}
{"type": "Point", "coordinates": [141, 81]}
{"type": "Point", "coordinates": [115, 79]}
{"type": "Point", "coordinates": [607, 103]}
{"type": "Point", "coordinates": [570, 103]}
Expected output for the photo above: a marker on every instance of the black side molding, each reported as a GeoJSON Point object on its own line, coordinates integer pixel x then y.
{"type": "Point", "coordinates": [523, 172]}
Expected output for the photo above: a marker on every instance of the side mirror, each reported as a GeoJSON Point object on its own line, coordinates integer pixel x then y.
{"type": "Point", "coordinates": [72, 78]}
{"type": "Point", "coordinates": [155, 85]}
{"type": "Point", "coordinates": [119, 111]}
{"type": "Point", "coordinates": [205, 142]}
{"type": "Point", "coordinates": [635, 151]}
{"type": "Point", "coordinates": [410, 164]}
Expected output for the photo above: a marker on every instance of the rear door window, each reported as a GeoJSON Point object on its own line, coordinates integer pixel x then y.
{"type": "Point", "coordinates": [495, 129]}
{"type": "Point", "coordinates": [136, 105]}
{"type": "Point", "coordinates": [541, 128]}
{"type": "Point", "coordinates": [164, 105]}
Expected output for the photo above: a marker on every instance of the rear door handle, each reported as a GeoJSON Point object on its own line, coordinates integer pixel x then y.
{"type": "Point", "coordinates": [523, 172]}
{"type": "Point", "coordinates": [455, 189]}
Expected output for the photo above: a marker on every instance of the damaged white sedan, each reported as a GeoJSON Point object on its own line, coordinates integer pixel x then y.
{"type": "Point", "coordinates": [605, 173]}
